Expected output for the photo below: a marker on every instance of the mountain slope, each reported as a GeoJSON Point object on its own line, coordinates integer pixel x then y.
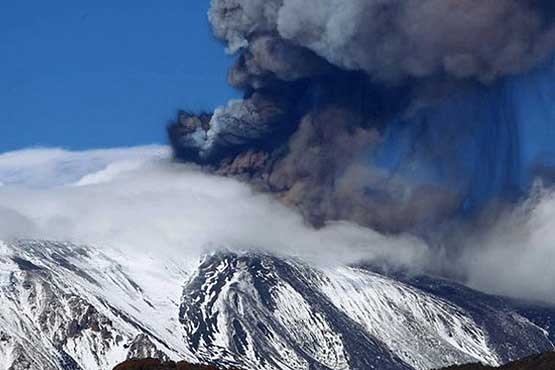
{"type": "Point", "coordinates": [70, 307]}
{"type": "Point", "coordinates": [64, 306]}
{"type": "Point", "coordinates": [341, 318]}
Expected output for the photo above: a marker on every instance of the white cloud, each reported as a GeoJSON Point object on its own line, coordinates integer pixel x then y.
{"type": "Point", "coordinates": [517, 256]}
{"type": "Point", "coordinates": [137, 199]}
{"type": "Point", "coordinates": [43, 167]}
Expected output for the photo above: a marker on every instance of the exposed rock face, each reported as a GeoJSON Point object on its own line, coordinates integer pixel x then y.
{"type": "Point", "coordinates": [68, 307]}
{"type": "Point", "coordinates": [143, 347]}
{"type": "Point", "coordinates": [343, 319]}
{"type": "Point", "coordinates": [540, 362]}
{"type": "Point", "coordinates": [154, 364]}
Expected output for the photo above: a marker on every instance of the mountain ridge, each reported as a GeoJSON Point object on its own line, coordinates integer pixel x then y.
{"type": "Point", "coordinates": [70, 307]}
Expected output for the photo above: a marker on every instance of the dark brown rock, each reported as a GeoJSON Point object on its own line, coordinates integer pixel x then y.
{"type": "Point", "coordinates": [152, 364]}
{"type": "Point", "coordinates": [544, 361]}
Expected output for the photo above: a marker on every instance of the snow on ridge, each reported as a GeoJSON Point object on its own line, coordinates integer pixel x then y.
{"type": "Point", "coordinates": [394, 312]}
{"type": "Point", "coordinates": [79, 302]}
{"type": "Point", "coordinates": [252, 311]}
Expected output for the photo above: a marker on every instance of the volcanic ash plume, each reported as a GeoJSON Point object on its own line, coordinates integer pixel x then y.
{"type": "Point", "coordinates": [389, 39]}
{"type": "Point", "coordinates": [394, 114]}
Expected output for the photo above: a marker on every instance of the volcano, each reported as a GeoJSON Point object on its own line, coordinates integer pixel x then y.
{"type": "Point", "coordinates": [65, 306]}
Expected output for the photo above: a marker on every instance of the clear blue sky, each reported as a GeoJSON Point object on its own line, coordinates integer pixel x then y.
{"type": "Point", "coordinates": [102, 73]}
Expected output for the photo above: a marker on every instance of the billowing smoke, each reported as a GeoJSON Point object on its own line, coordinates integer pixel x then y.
{"type": "Point", "coordinates": [399, 128]}
{"type": "Point", "coordinates": [136, 200]}
{"type": "Point", "coordinates": [389, 39]}
{"type": "Point", "coordinates": [392, 114]}
{"type": "Point", "coordinates": [514, 257]}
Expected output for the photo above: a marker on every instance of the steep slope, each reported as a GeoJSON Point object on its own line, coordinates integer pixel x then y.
{"type": "Point", "coordinates": [70, 307]}
{"type": "Point", "coordinates": [260, 311]}
{"type": "Point", "coordinates": [64, 306]}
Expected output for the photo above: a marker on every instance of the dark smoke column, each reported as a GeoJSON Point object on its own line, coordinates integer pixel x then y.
{"type": "Point", "coordinates": [323, 83]}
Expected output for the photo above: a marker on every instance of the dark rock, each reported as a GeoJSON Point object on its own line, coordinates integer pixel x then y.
{"type": "Point", "coordinates": [152, 364]}
{"type": "Point", "coordinates": [544, 361]}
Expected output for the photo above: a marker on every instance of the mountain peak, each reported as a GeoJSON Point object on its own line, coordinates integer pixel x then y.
{"type": "Point", "coordinates": [65, 306]}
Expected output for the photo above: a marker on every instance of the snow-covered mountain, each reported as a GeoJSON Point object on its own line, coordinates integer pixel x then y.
{"type": "Point", "coordinates": [64, 306]}
{"type": "Point", "coordinates": [70, 307]}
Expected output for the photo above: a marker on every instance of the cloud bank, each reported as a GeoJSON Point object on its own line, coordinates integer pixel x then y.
{"type": "Point", "coordinates": [136, 200]}
{"type": "Point", "coordinates": [515, 257]}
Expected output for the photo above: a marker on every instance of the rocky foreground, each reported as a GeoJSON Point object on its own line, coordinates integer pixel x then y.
{"type": "Point", "coordinates": [544, 361]}
{"type": "Point", "coordinates": [152, 364]}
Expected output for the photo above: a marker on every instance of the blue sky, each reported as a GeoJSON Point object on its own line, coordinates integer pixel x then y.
{"type": "Point", "coordinates": [104, 73]}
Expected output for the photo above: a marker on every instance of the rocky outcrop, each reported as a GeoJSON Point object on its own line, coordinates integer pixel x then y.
{"type": "Point", "coordinates": [154, 364]}
{"type": "Point", "coordinates": [544, 361]}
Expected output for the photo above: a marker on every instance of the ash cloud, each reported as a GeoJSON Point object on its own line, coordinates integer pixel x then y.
{"type": "Point", "coordinates": [325, 83]}
{"type": "Point", "coordinates": [378, 120]}
{"type": "Point", "coordinates": [393, 40]}
{"type": "Point", "coordinates": [430, 118]}
{"type": "Point", "coordinates": [268, 57]}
